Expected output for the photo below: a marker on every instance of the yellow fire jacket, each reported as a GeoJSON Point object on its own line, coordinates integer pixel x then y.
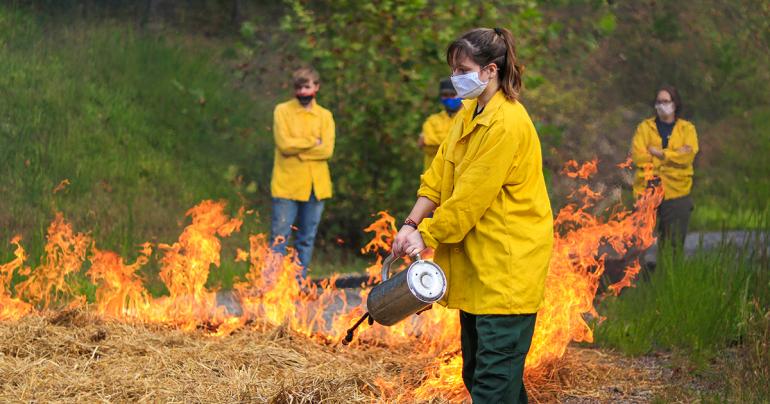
{"type": "Point", "coordinates": [434, 131]}
{"type": "Point", "coordinates": [675, 169]}
{"type": "Point", "coordinates": [493, 228]}
{"type": "Point", "coordinates": [300, 163]}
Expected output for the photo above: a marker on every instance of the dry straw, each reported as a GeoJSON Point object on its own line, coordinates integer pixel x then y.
{"type": "Point", "coordinates": [74, 356]}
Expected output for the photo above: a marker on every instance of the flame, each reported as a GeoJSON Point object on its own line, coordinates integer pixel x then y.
{"type": "Point", "coordinates": [626, 164]}
{"type": "Point", "coordinates": [62, 185]}
{"type": "Point", "coordinates": [573, 170]}
{"type": "Point", "coordinates": [65, 253]}
{"type": "Point", "coordinates": [185, 267]}
{"type": "Point", "coordinates": [119, 291]}
{"type": "Point", "coordinates": [384, 229]}
{"type": "Point", "coordinates": [12, 308]}
{"type": "Point", "coordinates": [272, 294]}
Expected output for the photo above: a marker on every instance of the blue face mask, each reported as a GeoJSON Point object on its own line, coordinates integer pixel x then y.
{"type": "Point", "coordinates": [452, 104]}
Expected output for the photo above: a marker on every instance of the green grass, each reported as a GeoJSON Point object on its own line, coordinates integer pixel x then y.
{"type": "Point", "coordinates": [749, 376]}
{"type": "Point", "coordinates": [731, 188]}
{"type": "Point", "coordinates": [697, 304]}
{"type": "Point", "coordinates": [142, 127]}
{"type": "Point", "coordinates": [712, 310]}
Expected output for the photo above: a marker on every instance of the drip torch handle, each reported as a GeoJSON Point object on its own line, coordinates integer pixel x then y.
{"type": "Point", "coordinates": [386, 266]}
{"type": "Point", "coordinates": [389, 260]}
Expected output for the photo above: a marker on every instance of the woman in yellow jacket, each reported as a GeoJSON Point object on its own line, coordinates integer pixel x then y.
{"type": "Point", "coordinates": [667, 144]}
{"type": "Point", "coordinates": [492, 227]}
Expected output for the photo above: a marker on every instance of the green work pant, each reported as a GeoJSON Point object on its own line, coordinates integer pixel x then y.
{"type": "Point", "coordinates": [494, 348]}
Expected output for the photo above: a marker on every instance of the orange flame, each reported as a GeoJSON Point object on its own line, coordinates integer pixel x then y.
{"type": "Point", "coordinates": [626, 164]}
{"type": "Point", "coordinates": [185, 267]}
{"type": "Point", "coordinates": [62, 185]}
{"type": "Point", "coordinates": [119, 291]}
{"type": "Point", "coordinates": [573, 170]}
{"type": "Point", "coordinates": [65, 253]}
{"type": "Point", "coordinates": [12, 308]}
{"type": "Point", "coordinates": [385, 231]}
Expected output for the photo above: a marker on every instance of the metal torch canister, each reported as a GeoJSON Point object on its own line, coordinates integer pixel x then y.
{"type": "Point", "coordinates": [408, 292]}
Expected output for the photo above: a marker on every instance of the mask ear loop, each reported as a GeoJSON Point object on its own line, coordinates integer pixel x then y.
{"type": "Point", "coordinates": [490, 73]}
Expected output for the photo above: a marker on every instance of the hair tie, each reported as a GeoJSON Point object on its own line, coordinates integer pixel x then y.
{"type": "Point", "coordinates": [498, 31]}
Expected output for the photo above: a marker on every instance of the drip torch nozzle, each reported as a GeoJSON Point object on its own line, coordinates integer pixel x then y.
{"type": "Point", "coordinates": [349, 336]}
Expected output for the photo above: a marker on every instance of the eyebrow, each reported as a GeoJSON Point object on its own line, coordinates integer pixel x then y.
{"type": "Point", "coordinates": [463, 66]}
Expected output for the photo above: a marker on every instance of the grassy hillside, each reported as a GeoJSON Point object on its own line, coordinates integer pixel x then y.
{"type": "Point", "coordinates": [142, 127]}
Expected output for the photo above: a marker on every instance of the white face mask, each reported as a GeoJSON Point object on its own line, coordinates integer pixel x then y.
{"type": "Point", "coordinates": [468, 85]}
{"type": "Point", "coordinates": [665, 109]}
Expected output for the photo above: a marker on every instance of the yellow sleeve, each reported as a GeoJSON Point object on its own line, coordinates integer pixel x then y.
{"type": "Point", "coordinates": [288, 145]}
{"type": "Point", "coordinates": [678, 159]}
{"type": "Point", "coordinates": [431, 138]}
{"type": "Point", "coordinates": [474, 191]}
{"type": "Point", "coordinates": [639, 153]}
{"type": "Point", "coordinates": [324, 150]}
{"type": "Point", "coordinates": [430, 181]}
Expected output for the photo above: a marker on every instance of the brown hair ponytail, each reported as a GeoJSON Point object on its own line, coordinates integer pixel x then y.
{"type": "Point", "coordinates": [485, 46]}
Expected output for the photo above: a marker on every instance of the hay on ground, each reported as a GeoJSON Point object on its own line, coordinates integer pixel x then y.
{"type": "Point", "coordinates": [74, 356]}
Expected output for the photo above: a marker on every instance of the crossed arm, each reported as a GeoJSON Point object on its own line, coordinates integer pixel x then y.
{"type": "Point", "coordinates": [642, 153]}
{"type": "Point", "coordinates": [305, 147]}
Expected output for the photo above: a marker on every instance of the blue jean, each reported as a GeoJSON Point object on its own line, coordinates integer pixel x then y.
{"type": "Point", "coordinates": [308, 215]}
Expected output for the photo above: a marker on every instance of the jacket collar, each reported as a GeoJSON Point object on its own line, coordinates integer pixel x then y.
{"type": "Point", "coordinates": [298, 107]}
{"type": "Point", "coordinates": [485, 117]}
{"type": "Point", "coordinates": [651, 121]}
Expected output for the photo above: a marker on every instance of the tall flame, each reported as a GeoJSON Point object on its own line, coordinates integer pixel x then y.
{"type": "Point", "coordinates": [185, 267]}
{"type": "Point", "coordinates": [65, 253]}
{"type": "Point", "coordinates": [119, 290]}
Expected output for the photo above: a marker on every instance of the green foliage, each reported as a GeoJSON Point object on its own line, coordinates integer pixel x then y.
{"type": "Point", "coordinates": [714, 52]}
{"type": "Point", "coordinates": [607, 24]}
{"type": "Point", "coordinates": [699, 304]}
{"type": "Point", "coordinates": [380, 65]}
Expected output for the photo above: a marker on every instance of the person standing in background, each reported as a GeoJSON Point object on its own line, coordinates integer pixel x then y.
{"type": "Point", "coordinates": [667, 145]}
{"type": "Point", "coordinates": [304, 142]}
{"type": "Point", "coordinates": [436, 127]}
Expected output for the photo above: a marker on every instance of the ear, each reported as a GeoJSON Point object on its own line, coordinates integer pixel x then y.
{"type": "Point", "coordinates": [493, 70]}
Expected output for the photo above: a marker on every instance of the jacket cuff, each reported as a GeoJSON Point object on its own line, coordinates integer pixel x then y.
{"type": "Point", "coordinates": [427, 238]}
{"type": "Point", "coordinates": [430, 194]}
